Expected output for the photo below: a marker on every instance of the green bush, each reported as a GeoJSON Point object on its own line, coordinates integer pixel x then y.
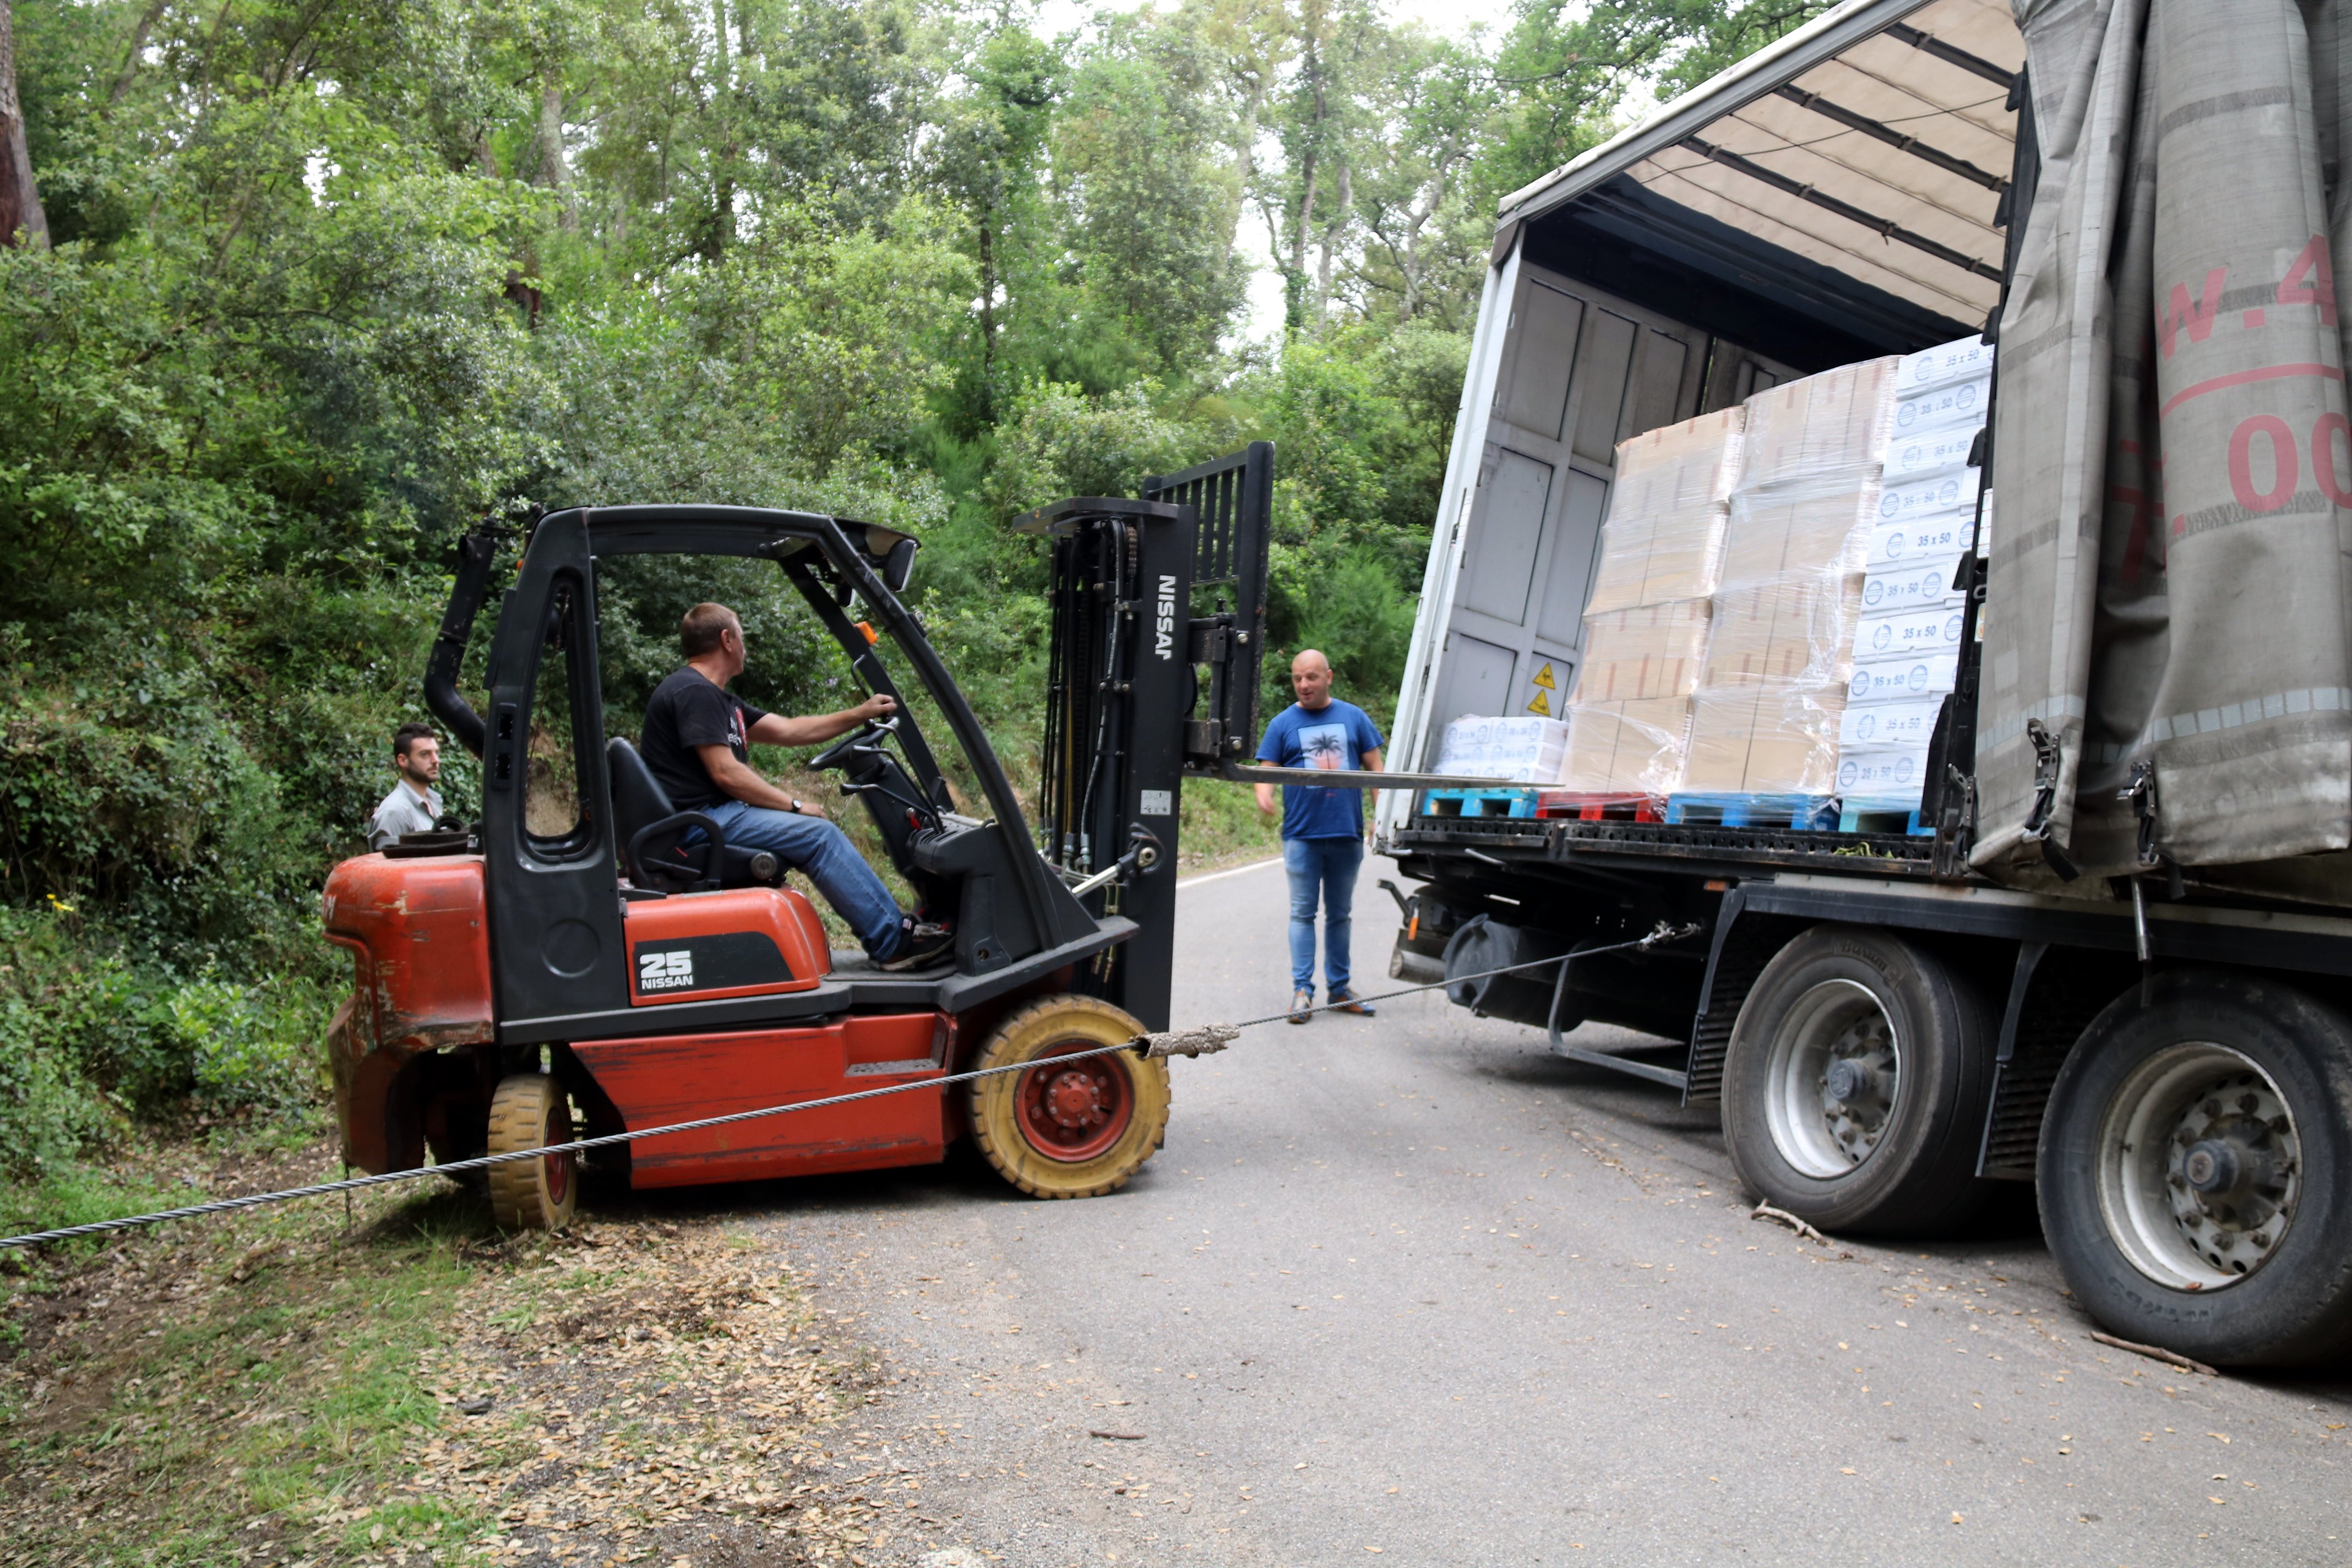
{"type": "Point", "coordinates": [90, 1040]}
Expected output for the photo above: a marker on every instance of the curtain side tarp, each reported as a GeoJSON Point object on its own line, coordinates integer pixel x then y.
{"type": "Point", "coordinates": [2172, 551]}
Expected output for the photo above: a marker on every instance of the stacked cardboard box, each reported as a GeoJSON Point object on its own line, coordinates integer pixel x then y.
{"type": "Point", "coordinates": [1645, 626]}
{"type": "Point", "coordinates": [1907, 643]}
{"type": "Point", "coordinates": [1524, 751]}
{"type": "Point", "coordinates": [1773, 684]}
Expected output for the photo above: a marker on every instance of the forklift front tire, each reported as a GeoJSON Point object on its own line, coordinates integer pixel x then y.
{"type": "Point", "coordinates": [1075, 1131]}
{"type": "Point", "coordinates": [530, 1111]}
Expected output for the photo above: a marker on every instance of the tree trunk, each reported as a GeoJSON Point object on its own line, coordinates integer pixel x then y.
{"type": "Point", "coordinates": [20, 200]}
{"type": "Point", "coordinates": [130, 72]}
{"type": "Point", "coordinates": [1343, 200]}
{"type": "Point", "coordinates": [552, 167]}
{"type": "Point", "coordinates": [987, 313]}
{"type": "Point", "coordinates": [722, 185]}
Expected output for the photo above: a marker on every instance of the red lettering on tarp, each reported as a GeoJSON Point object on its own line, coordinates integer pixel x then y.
{"type": "Point", "coordinates": [2246, 378]}
{"type": "Point", "coordinates": [2198, 317]}
{"type": "Point", "coordinates": [2324, 436]}
{"type": "Point", "coordinates": [2136, 542]}
{"type": "Point", "coordinates": [2311, 263]}
{"type": "Point", "coordinates": [2285, 467]}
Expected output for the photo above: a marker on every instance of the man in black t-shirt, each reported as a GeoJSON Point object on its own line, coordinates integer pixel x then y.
{"type": "Point", "coordinates": [696, 740]}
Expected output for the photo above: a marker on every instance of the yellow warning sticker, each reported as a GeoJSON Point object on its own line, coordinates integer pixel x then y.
{"type": "Point", "coordinates": [1542, 704]}
{"type": "Point", "coordinates": [1544, 679]}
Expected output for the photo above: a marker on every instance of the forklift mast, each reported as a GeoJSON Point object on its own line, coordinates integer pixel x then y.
{"type": "Point", "coordinates": [1158, 617]}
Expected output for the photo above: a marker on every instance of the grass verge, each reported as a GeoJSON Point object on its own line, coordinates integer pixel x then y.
{"type": "Point", "coordinates": [287, 1387]}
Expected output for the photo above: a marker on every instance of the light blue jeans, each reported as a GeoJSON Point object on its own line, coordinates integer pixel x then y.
{"type": "Point", "coordinates": [821, 852]}
{"type": "Point", "coordinates": [1327, 867]}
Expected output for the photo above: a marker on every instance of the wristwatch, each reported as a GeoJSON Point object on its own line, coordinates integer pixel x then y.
{"type": "Point", "coordinates": [797, 807]}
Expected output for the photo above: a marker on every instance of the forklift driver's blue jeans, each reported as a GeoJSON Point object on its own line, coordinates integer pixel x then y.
{"type": "Point", "coordinates": [821, 852]}
{"type": "Point", "coordinates": [1327, 867]}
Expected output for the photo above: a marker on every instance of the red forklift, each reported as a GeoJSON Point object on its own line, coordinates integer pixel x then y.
{"type": "Point", "coordinates": [583, 956]}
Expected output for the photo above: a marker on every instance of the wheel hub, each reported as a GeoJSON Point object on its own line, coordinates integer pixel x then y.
{"type": "Point", "coordinates": [1858, 1090]}
{"type": "Point", "coordinates": [1074, 1101]}
{"type": "Point", "coordinates": [2230, 1179]}
{"type": "Point", "coordinates": [1073, 1112]}
{"type": "Point", "coordinates": [2198, 1167]}
{"type": "Point", "coordinates": [1833, 1079]}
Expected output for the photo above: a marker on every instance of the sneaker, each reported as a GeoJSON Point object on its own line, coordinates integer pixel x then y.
{"type": "Point", "coordinates": [1302, 1006]}
{"type": "Point", "coordinates": [1345, 1001]}
{"type": "Point", "coordinates": [925, 943]}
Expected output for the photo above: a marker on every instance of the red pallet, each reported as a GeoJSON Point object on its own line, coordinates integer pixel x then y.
{"type": "Point", "coordinates": [1584, 805]}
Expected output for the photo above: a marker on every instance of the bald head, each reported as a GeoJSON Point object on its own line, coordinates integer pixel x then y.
{"type": "Point", "coordinates": [1310, 680]}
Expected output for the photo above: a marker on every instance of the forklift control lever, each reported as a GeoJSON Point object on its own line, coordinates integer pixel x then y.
{"type": "Point", "coordinates": [863, 739]}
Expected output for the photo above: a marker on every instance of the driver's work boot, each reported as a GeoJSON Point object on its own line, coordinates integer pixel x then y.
{"type": "Point", "coordinates": [925, 942]}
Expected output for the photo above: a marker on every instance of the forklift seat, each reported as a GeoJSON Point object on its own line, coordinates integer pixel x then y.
{"type": "Point", "coordinates": [651, 833]}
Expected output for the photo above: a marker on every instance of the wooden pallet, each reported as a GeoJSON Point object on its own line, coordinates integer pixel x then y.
{"type": "Point", "coordinates": [1585, 805]}
{"type": "Point", "coordinates": [1478, 803]}
{"type": "Point", "coordinates": [1891, 818]}
{"type": "Point", "coordinates": [1803, 813]}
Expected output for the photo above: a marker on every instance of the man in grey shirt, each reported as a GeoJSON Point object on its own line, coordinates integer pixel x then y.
{"type": "Point", "coordinates": [413, 806]}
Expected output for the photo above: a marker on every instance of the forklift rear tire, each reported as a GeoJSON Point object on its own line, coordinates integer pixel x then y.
{"type": "Point", "coordinates": [1081, 1130]}
{"type": "Point", "coordinates": [531, 1112]}
{"type": "Point", "coordinates": [1856, 1084]}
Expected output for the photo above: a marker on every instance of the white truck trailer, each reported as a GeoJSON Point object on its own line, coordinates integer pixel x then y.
{"type": "Point", "coordinates": [2109, 955]}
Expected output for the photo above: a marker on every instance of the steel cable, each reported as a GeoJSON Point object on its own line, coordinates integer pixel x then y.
{"type": "Point", "coordinates": [1662, 933]}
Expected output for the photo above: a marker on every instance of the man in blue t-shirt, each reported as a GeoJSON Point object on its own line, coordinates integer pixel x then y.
{"type": "Point", "coordinates": [1322, 829]}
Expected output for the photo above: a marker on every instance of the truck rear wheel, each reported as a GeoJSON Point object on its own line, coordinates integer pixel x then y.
{"type": "Point", "coordinates": [2195, 1170]}
{"type": "Point", "coordinates": [530, 1111]}
{"type": "Point", "coordinates": [1080, 1128]}
{"type": "Point", "coordinates": [1854, 1084]}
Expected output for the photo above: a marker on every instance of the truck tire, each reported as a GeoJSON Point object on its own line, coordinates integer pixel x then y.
{"type": "Point", "coordinates": [2195, 1170]}
{"type": "Point", "coordinates": [531, 1112]}
{"type": "Point", "coordinates": [1080, 1130]}
{"type": "Point", "coordinates": [1855, 1082]}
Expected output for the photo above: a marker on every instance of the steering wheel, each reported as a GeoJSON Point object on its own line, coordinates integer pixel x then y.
{"type": "Point", "coordinates": [868, 734]}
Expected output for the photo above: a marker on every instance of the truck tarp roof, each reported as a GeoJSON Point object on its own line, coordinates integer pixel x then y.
{"type": "Point", "coordinates": [1847, 174]}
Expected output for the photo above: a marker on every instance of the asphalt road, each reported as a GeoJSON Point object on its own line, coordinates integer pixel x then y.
{"type": "Point", "coordinates": [1411, 1290]}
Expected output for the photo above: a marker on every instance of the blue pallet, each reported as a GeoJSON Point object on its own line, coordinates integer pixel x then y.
{"type": "Point", "coordinates": [1805, 813]}
{"type": "Point", "coordinates": [1889, 816]}
{"type": "Point", "coordinates": [1478, 803]}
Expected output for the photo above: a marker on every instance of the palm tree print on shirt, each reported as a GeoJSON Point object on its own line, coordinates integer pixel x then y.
{"type": "Point", "coordinates": [1325, 746]}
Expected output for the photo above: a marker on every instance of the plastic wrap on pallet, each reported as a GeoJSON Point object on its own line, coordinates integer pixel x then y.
{"type": "Point", "coordinates": [1647, 652]}
{"type": "Point", "coordinates": [1802, 430]}
{"type": "Point", "coordinates": [1953, 491]}
{"type": "Point", "coordinates": [1906, 678]}
{"type": "Point", "coordinates": [1915, 586]}
{"type": "Point", "coordinates": [1821, 529]}
{"type": "Point", "coordinates": [1800, 630]}
{"type": "Point", "coordinates": [1681, 468]}
{"type": "Point", "coordinates": [1626, 748]}
{"type": "Point", "coordinates": [1772, 738]}
{"type": "Point", "coordinates": [1908, 632]}
{"type": "Point", "coordinates": [1664, 535]}
{"type": "Point", "coordinates": [1928, 452]}
{"type": "Point", "coordinates": [1887, 775]}
{"type": "Point", "coordinates": [1907, 722]}
{"type": "Point", "coordinates": [1944, 537]}
{"type": "Point", "coordinates": [1958, 403]}
{"type": "Point", "coordinates": [1963, 359]}
{"type": "Point", "coordinates": [1522, 750]}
